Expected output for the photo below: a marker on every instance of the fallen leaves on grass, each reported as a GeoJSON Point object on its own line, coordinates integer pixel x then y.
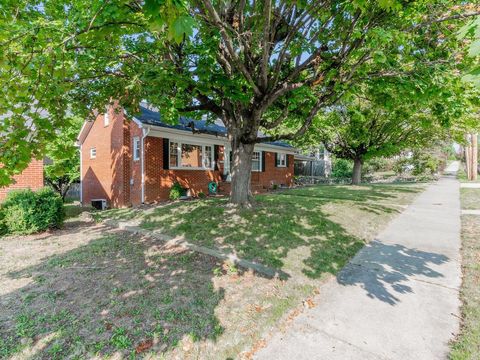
{"type": "Point", "coordinates": [144, 346]}
{"type": "Point", "coordinates": [260, 344]}
{"type": "Point", "coordinates": [309, 303]}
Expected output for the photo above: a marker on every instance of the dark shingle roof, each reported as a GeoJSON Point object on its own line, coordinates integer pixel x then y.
{"type": "Point", "coordinates": [152, 117]}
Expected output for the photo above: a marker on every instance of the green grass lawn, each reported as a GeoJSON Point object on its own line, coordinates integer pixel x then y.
{"type": "Point", "coordinates": [470, 199]}
{"type": "Point", "coordinates": [315, 230]}
{"type": "Point", "coordinates": [90, 291]}
{"type": "Point", "coordinates": [467, 345]}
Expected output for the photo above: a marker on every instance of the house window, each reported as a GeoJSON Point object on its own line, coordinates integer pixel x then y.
{"type": "Point", "coordinates": [106, 119]}
{"type": "Point", "coordinates": [256, 161]}
{"type": "Point", "coordinates": [190, 156]}
{"type": "Point", "coordinates": [281, 160]}
{"type": "Point", "coordinates": [136, 148]}
{"type": "Point", "coordinates": [93, 153]}
{"type": "Point", "coordinates": [207, 158]}
{"type": "Point", "coordinates": [173, 154]}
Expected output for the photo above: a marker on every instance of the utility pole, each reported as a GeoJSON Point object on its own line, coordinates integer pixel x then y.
{"type": "Point", "coordinates": [471, 156]}
{"type": "Point", "coordinates": [474, 157]}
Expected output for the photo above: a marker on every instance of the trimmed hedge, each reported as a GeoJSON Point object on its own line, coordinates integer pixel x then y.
{"type": "Point", "coordinates": [27, 212]}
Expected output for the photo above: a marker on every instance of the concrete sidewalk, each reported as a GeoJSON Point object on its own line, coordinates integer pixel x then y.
{"type": "Point", "coordinates": [397, 299]}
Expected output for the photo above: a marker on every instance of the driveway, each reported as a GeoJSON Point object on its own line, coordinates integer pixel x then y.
{"type": "Point", "coordinates": [397, 299]}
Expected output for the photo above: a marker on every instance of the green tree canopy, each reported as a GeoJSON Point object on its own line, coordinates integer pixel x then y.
{"type": "Point", "coordinates": [257, 65]}
{"type": "Point", "coordinates": [375, 120]}
{"type": "Point", "coordinates": [63, 155]}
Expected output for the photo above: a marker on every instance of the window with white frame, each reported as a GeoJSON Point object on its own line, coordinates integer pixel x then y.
{"type": "Point", "coordinates": [136, 148]}
{"type": "Point", "coordinates": [190, 156]}
{"type": "Point", "coordinates": [93, 153]}
{"type": "Point", "coordinates": [256, 161]}
{"type": "Point", "coordinates": [106, 119]}
{"type": "Point", "coordinates": [281, 160]}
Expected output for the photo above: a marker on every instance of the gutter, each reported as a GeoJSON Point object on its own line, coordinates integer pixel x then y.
{"type": "Point", "coordinates": [145, 131]}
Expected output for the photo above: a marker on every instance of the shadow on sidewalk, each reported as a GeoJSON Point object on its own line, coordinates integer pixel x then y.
{"type": "Point", "coordinates": [383, 270]}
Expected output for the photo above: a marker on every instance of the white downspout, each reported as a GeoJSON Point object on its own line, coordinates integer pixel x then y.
{"type": "Point", "coordinates": [142, 144]}
{"type": "Point", "coordinates": [81, 176]}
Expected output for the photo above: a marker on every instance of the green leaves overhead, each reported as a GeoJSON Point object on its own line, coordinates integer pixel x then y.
{"type": "Point", "coordinates": [258, 65]}
{"type": "Point", "coordinates": [170, 16]}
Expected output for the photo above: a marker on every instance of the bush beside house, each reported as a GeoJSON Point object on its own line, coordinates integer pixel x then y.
{"type": "Point", "coordinates": [27, 212]}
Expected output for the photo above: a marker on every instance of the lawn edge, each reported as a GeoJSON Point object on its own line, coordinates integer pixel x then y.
{"type": "Point", "coordinates": [183, 242]}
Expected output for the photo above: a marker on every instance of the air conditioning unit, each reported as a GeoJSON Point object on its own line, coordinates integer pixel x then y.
{"type": "Point", "coordinates": [99, 204]}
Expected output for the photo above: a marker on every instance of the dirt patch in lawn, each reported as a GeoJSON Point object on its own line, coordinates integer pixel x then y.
{"type": "Point", "coordinates": [89, 291]}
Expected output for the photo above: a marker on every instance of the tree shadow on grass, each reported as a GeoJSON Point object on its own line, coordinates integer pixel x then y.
{"type": "Point", "coordinates": [267, 234]}
{"type": "Point", "coordinates": [384, 270]}
{"type": "Point", "coordinates": [281, 224]}
{"type": "Point", "coordinates": [117, 294]}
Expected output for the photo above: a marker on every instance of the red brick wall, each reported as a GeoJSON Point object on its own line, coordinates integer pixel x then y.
{"type": "Point", "coordinates": [158, 181]}
{"type": "Point", "coordinates": [272, 174]}
{"type": "Point", "coordinates": [114, 174]}
{"type": "Point", "coordinates": [104, 177]}
{"type": "Point", "coordinates": [30, 178]}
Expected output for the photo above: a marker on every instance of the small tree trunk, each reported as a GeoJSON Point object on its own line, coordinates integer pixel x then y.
{"type": "Point", "coordinates": [241, 171]}
{"type": "Point", "coordinates": [357, 171]}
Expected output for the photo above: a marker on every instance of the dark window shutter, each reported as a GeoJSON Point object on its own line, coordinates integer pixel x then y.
{"type": "Point", "coordinates": [231, 155]}
{"type": "Point", "coordinates": [286, 159]}
{"type": "Point", "coordinates": [216, 150]}
{"type": "Point", "coordinates": [263, 161]}
{"type": "Point", "coordinates": [276, 159]}
{"type": "Point", "coordinates": [166, 148]}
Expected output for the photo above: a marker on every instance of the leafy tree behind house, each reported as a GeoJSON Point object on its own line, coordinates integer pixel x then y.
{"type": "Point", "coordinates": [63, 168]}
{"type": "Point", "coordinates": [257, 65]}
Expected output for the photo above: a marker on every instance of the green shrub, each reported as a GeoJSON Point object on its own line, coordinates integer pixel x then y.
{"type": "Point", "coordinates": [202, 195]}
{"type": "Point", "coordinates": [27, 212]}
{"type": "Point", "coordinates": [378, 164]}
{"type": "Point", "coordinates": [342, 168]}
{"type": "Point", "coordinates": [176, 191]}
{"type": "Point", "coordinates": [424, 163]}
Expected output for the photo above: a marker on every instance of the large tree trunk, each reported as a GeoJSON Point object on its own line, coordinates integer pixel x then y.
{"type": "Point", "coordinates": [241, 171]}
{"type": "Point", "coordinates": [357, 171]}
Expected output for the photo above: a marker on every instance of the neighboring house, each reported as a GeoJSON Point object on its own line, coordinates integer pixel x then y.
{"type": "Point", "coordinates": [134, 162]}
{"type": "Point", "coordinates": [30, 178]}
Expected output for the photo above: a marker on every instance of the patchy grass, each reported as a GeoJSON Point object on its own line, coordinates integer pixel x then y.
{"type": "Point", "coordinates": [467, 344]}
{"type": "Point", "coordinates": [72, 210]}
{"type": "Point", "coordinates": [470, 198]}
{"type": "Point", "coordinates": [462, 175]}
{"type": "Point", "coordinates": [315, 230]}
{"type": "Point", "coordinates": [89, 291]}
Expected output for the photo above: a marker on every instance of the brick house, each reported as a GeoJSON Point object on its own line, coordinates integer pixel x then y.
{"type": "Point", "coordinates": [133, 162]}
{"type": "Point", "coordinates": [30, 178]}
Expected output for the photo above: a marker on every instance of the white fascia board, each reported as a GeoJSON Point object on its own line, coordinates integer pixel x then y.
{"type": "Point", "coordinates": [185, 136]}
{"type": "Point", "coordinates": [138, 122]}
{"type": "Point", "coordinates": [273, 148]}
{"type": "Point", "coordinates": [80, 132]}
